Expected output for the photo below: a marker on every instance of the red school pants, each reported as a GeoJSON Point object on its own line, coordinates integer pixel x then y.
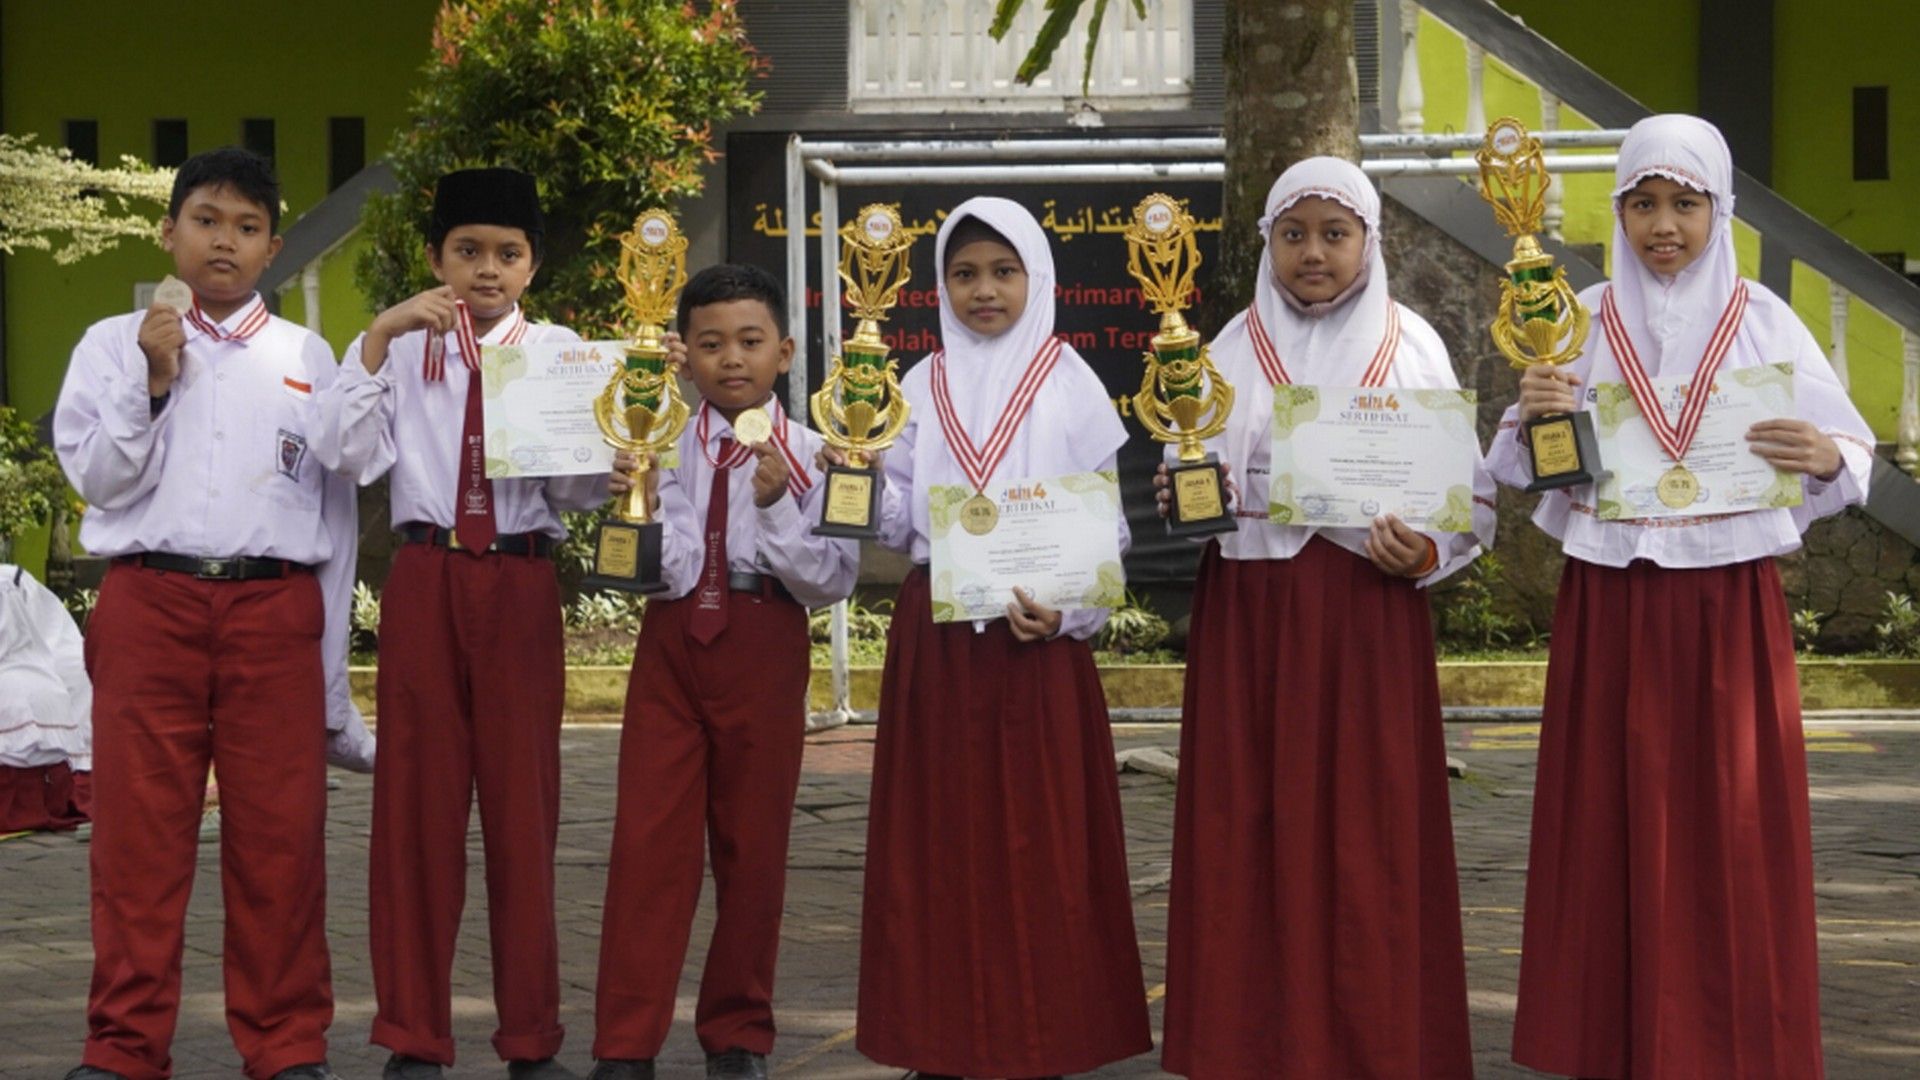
{"type": "Point", "coordinates": [710, 750]}
{"type": "Point", "coordinates": [186, 674]}
{"type": "Point", "coordinates": [471, 687]}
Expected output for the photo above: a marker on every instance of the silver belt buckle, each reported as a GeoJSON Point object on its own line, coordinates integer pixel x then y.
{"type": "Point", "coordinates": [211, 569]}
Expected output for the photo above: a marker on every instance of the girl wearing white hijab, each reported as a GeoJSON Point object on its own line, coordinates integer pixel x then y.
{"type": "Point", "coordinates": [997, 930]}
{"type": "Point", "coordinates": [1669, 916]}
{"type": "Point", "coordinates": [1315, 921]}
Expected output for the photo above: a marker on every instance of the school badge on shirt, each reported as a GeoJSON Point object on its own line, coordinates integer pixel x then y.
{"type": "Point", "coordinates": [291, 449]}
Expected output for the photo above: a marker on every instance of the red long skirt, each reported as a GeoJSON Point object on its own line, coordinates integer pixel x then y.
{"type": "Point", "coordinates": [1315, 921]}
{"type": "Point", "coordinates": [1669, 923]}
{"type": "Point", "coordinates": [997, 932]}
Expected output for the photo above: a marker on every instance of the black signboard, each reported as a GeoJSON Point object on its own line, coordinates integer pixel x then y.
{"type": "Point", "coordinates": [1098, 306]}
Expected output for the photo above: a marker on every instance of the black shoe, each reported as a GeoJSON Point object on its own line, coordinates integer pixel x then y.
{"type": "Point", "coordinates": [315, 1071]}
{"type": "Point", "coordinates": [544, 1069]}
{"type": "Point", "coordinates": [402, 1067]}
{"type": "Point", "coordinates": [734, 1063]}
{"type": "Point", "coordinates": [617, 1069]}
{"type": "Point", "coordinates": [90, 1072]}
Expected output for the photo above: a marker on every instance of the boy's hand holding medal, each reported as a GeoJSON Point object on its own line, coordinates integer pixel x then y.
{"type": "Point", "coordinates": [770, 473]}
{"type": "Point", "coordinates": [163, 335]}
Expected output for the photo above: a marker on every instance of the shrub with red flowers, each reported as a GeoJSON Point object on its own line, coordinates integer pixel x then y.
{"type": "Point", "coordinates": [609, 104]}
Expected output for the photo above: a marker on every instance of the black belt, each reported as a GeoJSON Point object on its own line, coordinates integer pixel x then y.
{"type": "Point", "coordinates": [766, 585]}
{"type": "Point", "coordinates": [537, 545]}
{"type": "Point", "coordinates": [238, 568]}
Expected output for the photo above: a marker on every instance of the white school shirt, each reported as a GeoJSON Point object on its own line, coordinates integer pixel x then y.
{"type": "Point", "coordinates": [1246, 446]}
{"type": "Point", "coordinates": [1070, 422]}
{"type": "Point", "coordinates": [46, 700]}
{"type": "Point", "coordinates": [395, 420]}
{"type": "Point", "coordinates": [1769, 333]}
{"type": "Point", "coordinates": [226, 468]}
{"type": "Point", "coordinates": [776, 540]}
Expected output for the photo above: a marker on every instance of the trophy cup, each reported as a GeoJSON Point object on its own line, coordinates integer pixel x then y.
{"type": "Point", "coordinates": [641, 410]}
{"type": "Point", "coordinates": [1540, 320]}
{"type": "Point", "coordinates": [858, 410]}
{"type": "Point", "coordinates": [1182, 399]}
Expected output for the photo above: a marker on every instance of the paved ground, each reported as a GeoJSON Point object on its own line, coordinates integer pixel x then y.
{"type": "Point", "coordinates": [1866, 785]}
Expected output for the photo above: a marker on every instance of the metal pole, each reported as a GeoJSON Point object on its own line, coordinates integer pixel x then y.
{"type": "Point", "coordinates": [866, 175]}
{"type": "Point", "coordinates": [1431, 143]}
{"type": "Point", "coordinates": [797, 277]}
{"type": "Point", "coordinates": [1556, 163]}
{"type": "Point", "coordinates": [902, 175]}
{"type": "Point", "coordinates": [1017, 149]}
{"type": "Point", "coordinates": [832, 299]}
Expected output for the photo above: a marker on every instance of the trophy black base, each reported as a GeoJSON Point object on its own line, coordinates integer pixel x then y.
{"type": "Point", "coordinates": [626, 556]}
{"type": "Point", "coordinates": [1565, 451]}
{"type": "Point", "coordinates": [1197, 499]}
{"type": "Point", "coordinates": [851, 506]}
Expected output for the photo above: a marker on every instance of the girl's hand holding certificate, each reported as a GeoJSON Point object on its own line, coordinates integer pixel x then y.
{"type": "Point", "coordinates": [1796, 446]}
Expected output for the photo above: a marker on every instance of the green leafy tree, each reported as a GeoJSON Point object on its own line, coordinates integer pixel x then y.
{"type": "Point", "coordinates": [31, 484]}
{"type": "Point", "coordinates": [609, 104]}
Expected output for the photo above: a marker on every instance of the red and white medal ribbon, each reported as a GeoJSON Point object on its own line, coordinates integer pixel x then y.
{"type": "Point", "coordinates": [1674, 437]}
{"type": "Point", "coordinates": [434, 367]}
{"type": "Point", "coordinates": [251, 323]}
{"type": "Point", "coordinates": [978, 462]}
{"type": "Point", "coordinates": [798, 480]}
{"type": "Point", "coordinates": [1276, 372]}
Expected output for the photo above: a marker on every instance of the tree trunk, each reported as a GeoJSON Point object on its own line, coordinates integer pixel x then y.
{"type": "Point", "coordinates": [1291, 93]}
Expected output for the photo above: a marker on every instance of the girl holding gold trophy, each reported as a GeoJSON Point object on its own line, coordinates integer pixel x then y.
{"type": "Point", "coordinates": [1315, 920]}
{"type": "Point", "coordinates": [1669, 918]}
{"type": "Point", "coordinates": [997, 926]}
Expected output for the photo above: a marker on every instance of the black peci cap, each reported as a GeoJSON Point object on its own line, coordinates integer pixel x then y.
{"type": "Point", "coordinates": [485, 197]}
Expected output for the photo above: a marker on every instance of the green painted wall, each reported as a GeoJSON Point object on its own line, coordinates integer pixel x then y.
{"type": "Point", "coordinates": [1823, 51]}
{"type": "Point", "coordinates": [211, 64]}
{"type": "Point", "coordinates": [1649, 48]}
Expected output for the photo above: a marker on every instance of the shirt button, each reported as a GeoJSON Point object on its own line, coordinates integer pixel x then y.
{"type": "Point", "coordinates": [222, 377]}
{"type": "Point", "coordinates": [219, 435]}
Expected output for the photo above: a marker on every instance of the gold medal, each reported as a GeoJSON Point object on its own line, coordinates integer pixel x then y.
{"type": "Point", "coordinates": [1678, 488]}
{"type": "Point", "coordinates": [174, 293]}
{"type": "Point", "coordinates": [752, 427]}
{"type": "Point", "coordinates": [979, 515]}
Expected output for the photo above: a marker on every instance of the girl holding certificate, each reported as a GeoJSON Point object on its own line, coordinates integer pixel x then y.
{"type": "Point", "coordinates": [1315, 920]}
{"type": "Point", "coordinates": [997, 931]}
{"type": "Point", "coordinates": [1669, 919]}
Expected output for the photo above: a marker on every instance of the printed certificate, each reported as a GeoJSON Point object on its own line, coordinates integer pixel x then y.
{"type": "Point", "coordinates": [538, 406]}
{"type": "Point", "coordinates": [1343, 455]}
{"type": "Point", "coordinates": [1731, 478]}
{"type": "Point", "coordinates": [1056, 537]}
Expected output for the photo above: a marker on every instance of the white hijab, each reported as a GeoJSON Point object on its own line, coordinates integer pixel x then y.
{"type": "Point", "coordinates": [1072, 425]}
{"type": "Point", "coordinates": [1671, 319]}
{"type": "Point", "coordinates": [1331, 343]}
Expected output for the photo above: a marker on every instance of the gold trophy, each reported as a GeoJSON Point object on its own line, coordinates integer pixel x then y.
{"type": "Point", "coordinates": [858, 410]}
{"type": "Point", "coordinates": [641, 410]}
{"type": "Point", "coordinates": [1540, 319]}
{"type": "Point", "coordinates": [1182, 398]}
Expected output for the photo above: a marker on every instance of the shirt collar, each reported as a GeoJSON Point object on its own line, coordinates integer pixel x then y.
{"type": "Point", "coordinates": [239, 327]}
